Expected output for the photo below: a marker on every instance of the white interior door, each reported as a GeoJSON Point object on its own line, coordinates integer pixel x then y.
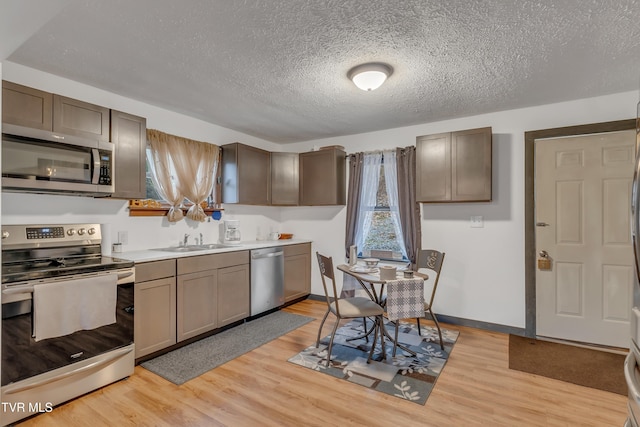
{"type": "Point", "coordinates": [583, 204]}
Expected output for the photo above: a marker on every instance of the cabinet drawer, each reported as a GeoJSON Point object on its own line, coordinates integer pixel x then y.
{"type": "Point", "coordinates": [208, 262]}
{"type": "Point", "coordinates": [301, 249]}
{"type": "Point", "coordinates": [155, 270]}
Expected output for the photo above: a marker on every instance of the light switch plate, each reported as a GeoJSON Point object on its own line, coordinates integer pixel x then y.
{"type": "Point", "coordinates": [123, 237]}
{"type": "Point", "coordinates": [477, 221]}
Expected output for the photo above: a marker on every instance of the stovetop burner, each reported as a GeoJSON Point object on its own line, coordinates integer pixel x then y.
{"type": "Point", "coordinates": [42, 256]}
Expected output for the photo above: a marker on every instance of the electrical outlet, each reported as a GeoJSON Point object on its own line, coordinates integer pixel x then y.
{"type": "Point", "coordinates": [477, 221]}
{"type": "Point", "coordinates": [123, 237]}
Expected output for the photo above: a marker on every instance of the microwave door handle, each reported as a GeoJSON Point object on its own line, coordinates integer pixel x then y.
{"type": "Point", "coordinates": [95, 156]}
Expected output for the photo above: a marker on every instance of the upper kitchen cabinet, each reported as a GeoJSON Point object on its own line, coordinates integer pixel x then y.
{"type": "Point", "coordinates": [80, 118]}
{"type": "Point", "coordinates": [284, 179]}
{"type": "Point", "coordinates": [246, 175]}
{"type": "Point", "coordinates": [25, 106]}
{"type": "Point", "coordinates": [29, 107]}
{"type": "Point", "coordinates": [322, 177]}
{"type": "Point", "coordinates": [129, 134]}
{"type": "Point", "coordinates": [454, 166]}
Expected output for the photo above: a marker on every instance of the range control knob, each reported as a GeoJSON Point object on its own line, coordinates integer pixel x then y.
{"type": "Point", "coordinates": [81, 232]}
{"type": "Point", "coordinates": [71, 232]}
{"type": "Point", "coordinates": [91, 231]}
{"type": "Point", "coordinates": [5, 234]}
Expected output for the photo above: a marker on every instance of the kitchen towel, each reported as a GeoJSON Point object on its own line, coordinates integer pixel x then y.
{"type": "Point", "coordinates": [61, 308]}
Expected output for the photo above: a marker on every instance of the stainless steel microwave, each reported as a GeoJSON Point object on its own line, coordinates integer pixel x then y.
{"type": "Point", "coordinates": [40, 161]}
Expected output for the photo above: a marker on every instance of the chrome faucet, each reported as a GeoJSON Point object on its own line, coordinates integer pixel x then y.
{"type": "Point", "coordinates": [186, 239]}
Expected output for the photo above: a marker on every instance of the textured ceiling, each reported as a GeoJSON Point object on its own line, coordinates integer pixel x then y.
{"type": "Point", "coordinates": [277, 69]}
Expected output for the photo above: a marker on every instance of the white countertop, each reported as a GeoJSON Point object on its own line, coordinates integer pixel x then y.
{"type": "Point", "coordinates": [157, 255]}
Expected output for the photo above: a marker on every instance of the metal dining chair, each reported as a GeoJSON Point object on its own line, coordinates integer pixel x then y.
{"type": "Point", "coordinates": [344, 308]}
{"type": "Point", "coordinates": [431, 260]}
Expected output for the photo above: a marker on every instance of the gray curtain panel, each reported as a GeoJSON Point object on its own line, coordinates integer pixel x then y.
{"type": "Point", "coordinates": [409, 208]}
{"type": "Point", "coordinates": [353, 199]}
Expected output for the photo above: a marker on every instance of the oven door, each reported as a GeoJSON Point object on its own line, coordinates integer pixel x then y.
{"type": "Point", "coordinates": [24, 357]}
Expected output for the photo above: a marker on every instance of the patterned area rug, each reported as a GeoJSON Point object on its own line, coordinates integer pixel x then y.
{"type": "Point", "coordinates": [404, 376]}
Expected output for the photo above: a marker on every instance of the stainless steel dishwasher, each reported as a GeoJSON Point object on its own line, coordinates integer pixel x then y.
{"type": "Point", "coordinates": [267, 279]}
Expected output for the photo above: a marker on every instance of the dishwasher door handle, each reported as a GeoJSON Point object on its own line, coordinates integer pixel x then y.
{"type": "Point", "coordinates": [269, 255]}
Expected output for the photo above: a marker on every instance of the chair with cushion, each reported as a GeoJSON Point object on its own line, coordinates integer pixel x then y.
{"type": "Point", "coordinates": [431, 260]}
{"type": "Point", "coordinates": [344, 308]}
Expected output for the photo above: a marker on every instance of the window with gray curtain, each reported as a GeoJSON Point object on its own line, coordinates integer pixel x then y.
{"type": "Point", "coordinates": [383, 218]}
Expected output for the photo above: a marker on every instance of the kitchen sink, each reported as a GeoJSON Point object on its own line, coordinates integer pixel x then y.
{"type": "Point", "coordinates": [209, 246]}
{"type": "Point", "coordinates": [180, 249]}
{"type": "Point", "coordinates": [192, 248]}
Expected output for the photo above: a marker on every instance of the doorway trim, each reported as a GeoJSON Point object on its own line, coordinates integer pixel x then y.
{"type": "Point", "coordinates": [529, 203]}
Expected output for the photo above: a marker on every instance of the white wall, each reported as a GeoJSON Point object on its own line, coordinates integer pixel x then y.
{"type": "Point", "coordinates": [483, 276]}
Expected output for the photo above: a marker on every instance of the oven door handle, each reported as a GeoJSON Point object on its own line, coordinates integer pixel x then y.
{"type": "Point", "coordinates": [29, 384]}
{"type": "Point", "coordinates": [18, 290]}
{"type": "Point", "coordinates": [125, 275]}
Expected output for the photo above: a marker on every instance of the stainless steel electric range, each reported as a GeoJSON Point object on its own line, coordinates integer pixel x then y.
{"type": "Point", "coordinates": [67, 316]}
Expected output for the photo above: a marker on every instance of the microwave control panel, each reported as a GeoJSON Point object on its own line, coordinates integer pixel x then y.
{"type": "Point", "coordinates": [105, 168]}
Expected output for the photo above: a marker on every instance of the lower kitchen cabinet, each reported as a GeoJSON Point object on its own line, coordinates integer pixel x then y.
{"type": "Point", "coordinates": [213, 291]}
{"type": "Point", "coordinates": [297, 271]}
{"type": "Point", "coordinates": [155, 306]}
{"type": "Point", "coordinates": [196, 313]}
{"type": "Point", "coordinates": [234, 298]}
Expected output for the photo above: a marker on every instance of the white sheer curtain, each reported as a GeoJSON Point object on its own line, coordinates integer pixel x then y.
{"type": "Point", "coordinates": [391, 180]}
{"type": "Point", "coordinates": [182, 168]}
{"type": "Point", "coordinates": [163, 176]}
{"type": "Point", "coordinates": [196, 167]}
{"type": "Point", "coordinates": [369, 189]}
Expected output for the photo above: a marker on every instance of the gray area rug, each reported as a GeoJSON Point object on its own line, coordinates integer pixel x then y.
{"type": "Point", "coordinates": [193, 360]}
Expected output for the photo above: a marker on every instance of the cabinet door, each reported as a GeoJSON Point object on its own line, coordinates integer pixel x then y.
{"type": "Point", "coordinates": [433, 168]}
{"type": "Point", "coordinates": [284, 179]}
{"type": "Point", "coordinates": [322, 178]}
{"type": "Point", "coordinates": [196, 305]}
{"type": "Point", "coordinates": [155, 315]}
{"type": "Point", "coordinates": [80, 118]}
{"type": "Point", "coordinates": [246, 175]}
{"type": "Point", "coordinates": [25, 106]}
{"type": "Point", "coordinates": [129, 134]}
{"type": "Point", "coordinates": [297, 276]}
{"type": "Point", "coordinates": [471, 165]}
{"type": "Point", "coordinates": [234, 290]}
{"type": "Point", "coordinates": [454, 167]}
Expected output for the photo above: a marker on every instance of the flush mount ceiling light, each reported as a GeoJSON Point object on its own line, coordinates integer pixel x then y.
{"type": "Point", "coordinates": [370, 76]}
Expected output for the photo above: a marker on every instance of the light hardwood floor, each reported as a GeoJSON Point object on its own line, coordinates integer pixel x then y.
{"type": "Point", "coordinates": [261, 388]}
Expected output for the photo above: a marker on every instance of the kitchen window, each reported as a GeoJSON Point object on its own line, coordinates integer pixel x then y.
{"type": "Point", "coordinates": [383, 240]}
{"type": "Point", "coordinates": [383, 217]}
{"type": "Point", "coordinates": [181, 174]}
{"type": "Point", "coordinates": [378, 229]}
